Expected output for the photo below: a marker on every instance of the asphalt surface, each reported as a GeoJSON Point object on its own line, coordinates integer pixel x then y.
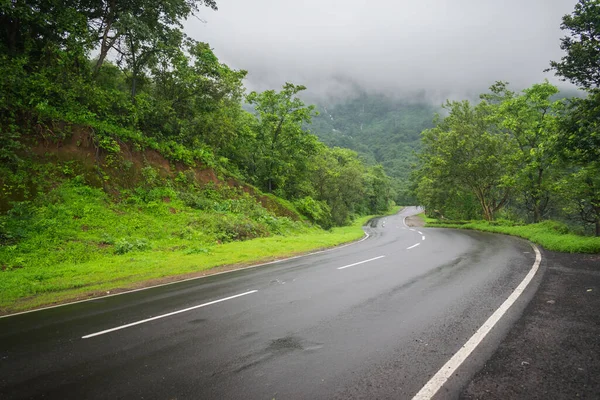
{"type": "Point", "coordinates": [553, 351]}
{"type": "Point", "coordinates": [302, 328]}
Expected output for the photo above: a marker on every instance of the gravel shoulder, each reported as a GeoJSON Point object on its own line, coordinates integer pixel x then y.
{"type": "Point", "coordinates": [414, 221]}
{"type": "Point", "coordinates": [553, 351]}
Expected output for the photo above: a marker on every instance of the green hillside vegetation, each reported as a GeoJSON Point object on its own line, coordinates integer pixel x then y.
{"type": "Point", "coordinates": [524, 157]}
{"type": "Point", "coordinates": [141, 161]}
{"type": "Point", "coordinates": [505, 158]}
{"type": "Point", "coordinates": [76, 241]}
{"type": "Point", "coordinates": [383, 130]}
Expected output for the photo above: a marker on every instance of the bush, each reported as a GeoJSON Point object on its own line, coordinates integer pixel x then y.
{"type": "Point", "coordinates": [123, 246]}
{"type": "Point", "coordinates": [317, 211]}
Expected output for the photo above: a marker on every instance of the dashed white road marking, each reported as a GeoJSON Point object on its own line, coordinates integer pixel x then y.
{"type": "Point", "coordinates": [440, 378]}
{"type": "Point", "coordinates": [413, 246]}
{"type": "Point", "coordinates": [361, 262]}
{"type": "Point", "coordinates": [423, 237]}
{"type": "Point", "coordinates": [166, 315]}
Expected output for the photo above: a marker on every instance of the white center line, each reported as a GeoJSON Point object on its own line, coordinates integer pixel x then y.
{"type": "Point", "coordinates": [166, 315]}
{"type": "Point", "coordinates": [361, 262]}
{"type": "Point", "coordinates": [413, 246]}
{"type": "Point", "coordinates": [440, 378]}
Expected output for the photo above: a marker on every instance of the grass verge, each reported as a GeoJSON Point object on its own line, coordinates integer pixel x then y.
{"type": "Point", "coordinates": [110, 272]}
{"type": "Point", "coordinates": [551, 235]}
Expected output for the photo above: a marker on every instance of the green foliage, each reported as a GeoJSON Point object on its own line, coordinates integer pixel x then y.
{"type": "Point", "coordinates": [513, 154]}
{"type": "Point", "coordinates": [531, 121]}
{"type": "Point", "coordinates": [282, 146]}
{"type": "Point", "coordinates": [317, 211]}
{"type": "Point", "coordinates": [78, 241]}
{"type": "Point", "coordinates": [579, 139]}
{"type": "Point", "coordinates": [166, 92]}
{"type": "Point", "coordinates": [123, 246]}
{"type": "Point", "coordinates": [580, 64]}
{"type": "Point", "coordinates": [466, 152]}
{"type": "Point", "coordinates": [381, 130]}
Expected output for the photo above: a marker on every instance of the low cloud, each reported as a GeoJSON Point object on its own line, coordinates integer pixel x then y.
{"type": "Point", "coordinates": [430, 49]}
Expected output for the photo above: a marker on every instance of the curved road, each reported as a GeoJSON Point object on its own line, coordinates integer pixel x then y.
{"type": "Point", "coordinates": [376, 319]}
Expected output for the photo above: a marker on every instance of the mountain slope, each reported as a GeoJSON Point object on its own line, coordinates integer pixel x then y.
{"type": "Point", "coordinates": [383, 130]}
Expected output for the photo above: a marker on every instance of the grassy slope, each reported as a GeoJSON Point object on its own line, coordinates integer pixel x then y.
{"type": "Point", "coordinates": [549, 234]}
{"type": "Point", "coordinates": [76, 242]}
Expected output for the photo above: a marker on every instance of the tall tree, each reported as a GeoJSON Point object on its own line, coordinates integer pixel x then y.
{"type": "Point", "coordinates": [580, 136]}
{"type": "Point", "coordinates": [530, 118]}
{"type": "Point", "coordinates": [110, 20]}
{"type": "Point", "coordinates": [581, 63]}
{"type": "Point", "coordinates": [282, 145]}
{"type": "Point", "coordinates": [465, 150]}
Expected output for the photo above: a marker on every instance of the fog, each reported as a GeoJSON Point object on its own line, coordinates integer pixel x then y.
{"type": "Point", "coordinates": [432, 49]}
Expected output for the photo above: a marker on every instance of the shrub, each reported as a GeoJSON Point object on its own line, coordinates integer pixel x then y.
{"type": "Point", "coordinates": [123, 246]}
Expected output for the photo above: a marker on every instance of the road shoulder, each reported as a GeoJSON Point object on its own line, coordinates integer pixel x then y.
{"type": "Point", "coordinates": [553, 351]}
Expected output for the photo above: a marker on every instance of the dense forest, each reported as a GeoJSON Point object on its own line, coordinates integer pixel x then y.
{"type": "Point", "coordinates": [383, 130]}
{"type": "Point", "coordinates": [523, 156]}
{"type": "Point", "coordinates": [128, 72]}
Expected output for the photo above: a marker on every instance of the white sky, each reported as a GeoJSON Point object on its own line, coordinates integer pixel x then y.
{"type": "Point", "coordinates": [440, 48]}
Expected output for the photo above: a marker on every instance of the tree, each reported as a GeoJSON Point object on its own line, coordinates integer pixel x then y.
{"type": "Point", "coordinates": [110, 20]}
{"type": "Point", "coordinates": [466, 151]}
{"type": "Point", "coordinates": [530, 118]}
{"type": "Point", "coordinates": [579, 140]}
{"type": "Point", "coordinates": [283, 147]}
{"type": "Point", "coordinates": [582, 188]}
{"type": "Point", "coordinates": [581, 64]}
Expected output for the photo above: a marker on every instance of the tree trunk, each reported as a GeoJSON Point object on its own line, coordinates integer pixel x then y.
{"type": "Point", "coordinates": [598, 227]}
{"type": "Point", "coordinates": [107, 42]}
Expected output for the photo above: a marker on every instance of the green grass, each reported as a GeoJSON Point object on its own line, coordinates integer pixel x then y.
{"type": "Point", "coordinates": [551, 235]}
{"type": "Point", "coordinates": [76, 241]}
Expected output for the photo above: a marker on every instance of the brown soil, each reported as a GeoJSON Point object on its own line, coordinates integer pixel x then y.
{"type": "Point", "coordinates": [62, 143]}
{"type": "Point", "coordinates": [415, 221]}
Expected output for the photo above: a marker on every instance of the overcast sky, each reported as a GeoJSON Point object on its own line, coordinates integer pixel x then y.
{"type": "Point", "coordinates": [444, 48]}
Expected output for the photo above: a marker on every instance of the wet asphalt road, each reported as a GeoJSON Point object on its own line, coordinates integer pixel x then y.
{"type": "Point", "coordinates": [376, 329]}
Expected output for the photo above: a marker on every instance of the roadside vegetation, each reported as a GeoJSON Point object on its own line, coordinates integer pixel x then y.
{"type": "Point", "coordinates": [76, 241]}
{"type": "Point", "coordinates": [526, 162]}
{"type": "Point", "coordinates": [129, 152]}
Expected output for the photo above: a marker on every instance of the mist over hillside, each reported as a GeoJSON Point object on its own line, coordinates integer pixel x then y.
{"type": "Point", "coordinates": [381, 129]}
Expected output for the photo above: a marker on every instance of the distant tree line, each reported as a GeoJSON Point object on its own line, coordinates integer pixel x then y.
{"type": "Point", "coordinates": [150, 84]}
{"type": "Point", "coordinates": [522, 156]}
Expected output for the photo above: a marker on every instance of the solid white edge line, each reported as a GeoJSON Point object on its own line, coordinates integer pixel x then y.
{"type": "Point", "coordinates": [413, 246]}
{"type": "Point", "coordinates": [440, 378]}
{"type": "Point", "coordinates": [190, 279]}
{"type": "Point", "coordinates": [361, 262]}
{"type": "Point", "coordinates": [166, 315]}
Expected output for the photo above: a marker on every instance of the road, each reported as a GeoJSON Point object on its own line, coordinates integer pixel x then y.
{"type": "Point", "coordinates": [376, 319]}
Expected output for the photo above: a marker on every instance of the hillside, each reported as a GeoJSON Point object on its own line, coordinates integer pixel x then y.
{"type": "Point", "coordinates": [126, 154]}
{"type": "Point", "coordinates": [79, 221]}
{"type": "Point", "coordinates": [381, 129]}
